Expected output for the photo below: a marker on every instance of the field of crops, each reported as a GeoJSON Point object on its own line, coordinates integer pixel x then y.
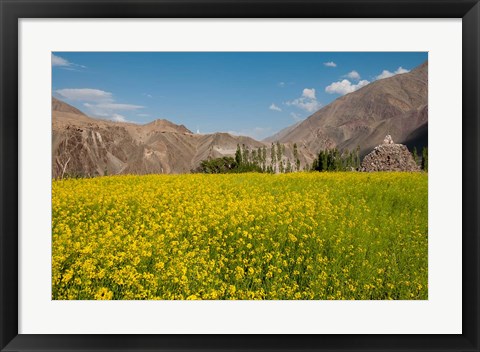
{"type": "Point", "coordinates": [241, 236]}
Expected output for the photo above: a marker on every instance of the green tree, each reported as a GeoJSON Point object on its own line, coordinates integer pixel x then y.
{"type": "Point", "coordinates": [246, 155]}
{"type": "Point", "coordinates": [273, 156]}
{"type": "Point", "coordinates": [425, 159]}
{"type": "Point", "coordinates": [295, 157]}
{"type": "Point", "coordinates": [279, 152]}
{"type": "Point", "coordinates": [264, 157]}
{"type": "Point", "coordinates": [415, 155]}
{"type": "Point", "coordinates": [238, 155]}
{"type": "Point", "coordinates": [289, 166]}
{"type": "Point", "coordinates": [334, 160]}
{"type": "Point", "coordinates": [357, 157]}
{"type": "Point", "coordinates": [218, 165]}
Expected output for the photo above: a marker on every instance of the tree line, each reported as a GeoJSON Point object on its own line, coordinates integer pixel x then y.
{"type": "Point", "coordinates": [334, 160]}
{"type": "Point", "coordinates": [256, 160]}
{"type": "Point", "coordinates": [424, 162]}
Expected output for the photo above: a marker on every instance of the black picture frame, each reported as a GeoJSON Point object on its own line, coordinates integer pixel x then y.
{"type": "Point", "coordinates": [12, 10]}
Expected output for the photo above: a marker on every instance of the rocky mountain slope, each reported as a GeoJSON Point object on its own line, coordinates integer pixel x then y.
{"type": "Point", "coordinates": [397, 106]}
{"type": "Point", "coordinates": [280, 134]}
{"type": "Point", "coordinates": [84, 146]}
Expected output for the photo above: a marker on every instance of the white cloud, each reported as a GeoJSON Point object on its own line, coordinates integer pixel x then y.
{"type": "Point", "coordinates": [330, 64]}
{"type": "Point", "coordinates": [307, 101]}
{"type": "Point", "coordinates": [115, 106]}
{"type": "Point", "coordinates": [274, 107]}
{"type": "Point", "coordinates": [353, 75]}
{"type": "Point", "coordinates": [345, 86]}
{"type": "Point", "coordinates": [118, 118]}
{"type": "Point", "coordinates": [285, 84]}
{"type": "Point", "coordinates": [109, 110]}
{"type": "Point", "coordinates": [401, 70]}
{"type": "Point", "coordinates": [387, 74]}
{"type": "Point", "coordinates": [64, 63]}
{"type": "Point", "coordinates": [85, 94]}
{"type": "Point", "coordinates": [296, 117]}
{"type": "Point", "coordinates": [98, 103]}
{"type": "Point", "coordinates": [59, 61]}
{"type": "Point", "coordinates": [309, 93]}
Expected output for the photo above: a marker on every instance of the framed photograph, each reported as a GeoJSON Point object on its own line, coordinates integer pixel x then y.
{"type": "Point", "coordinates": [237, 175]}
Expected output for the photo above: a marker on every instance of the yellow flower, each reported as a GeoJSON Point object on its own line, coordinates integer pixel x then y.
{"type": "Point", "coordinates": [241, 236]}
{"type": "Point", "coordinates": [104, 294]}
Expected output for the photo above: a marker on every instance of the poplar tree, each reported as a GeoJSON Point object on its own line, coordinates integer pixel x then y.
{"type": "Point", "coordinates": [415, 155]}
{"type": "Point", "coordinates": [425, 158]}
{"type": "Point", "coordinates": [264, 157]}
{"type": "Point", "coordinates": [272, 155]}
{"type": "Point", "coordinates": [238, 156]}
{"type": "Point", "coordinates": [295, 156]}
{"type": "Point", "coordinates": [357, 157]}
{"type": "Point", "coordinates": [289, 166]}
{"type": "Point", "coordinates": [246, 155]}
{"type": "Point", "coordinates": [279, 152]}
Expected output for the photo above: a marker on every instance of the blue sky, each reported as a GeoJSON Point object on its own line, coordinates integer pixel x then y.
{"type": "Point", "coordinates": [249, 93]}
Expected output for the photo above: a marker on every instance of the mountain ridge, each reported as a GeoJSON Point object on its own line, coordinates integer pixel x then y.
{"type": "Point", "coordinates": [85, 146]}
{"type": "Point", "coordinates": [396, 105]}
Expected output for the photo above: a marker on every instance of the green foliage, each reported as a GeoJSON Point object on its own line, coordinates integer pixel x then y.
{"type": "Point", "coordinates": [295, 156]}
{"type": "Point", "coordinates": [415, 155]}
{"type": "Point", "coordinates": [255, 160]}
{"type": "Point", "coordinates": [279, 152]}
{"type": "Point", "coordinates": [425, 159]}
{"type": "Point", "coordinates": [246, 154]}
{"type": "Point", "coordinates": [273, 157]}
{"type": "Point", "coordinates": [238, 155]}
{"type": "Point", "coordinates": [218, 166]}
{"type": "Point", "coordinates": [288, 167]}
{"type": "Point", "coordinates": [357, 157]}
{"type": "Point", "coordinates": [334, 160]}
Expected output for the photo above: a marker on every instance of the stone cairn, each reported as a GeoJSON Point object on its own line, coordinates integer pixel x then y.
{"type": "Point", "coordinates": [389, 157]}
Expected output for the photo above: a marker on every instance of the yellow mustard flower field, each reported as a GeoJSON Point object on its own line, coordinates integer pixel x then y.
{"type": "Point", "coordinates": [321, 236]}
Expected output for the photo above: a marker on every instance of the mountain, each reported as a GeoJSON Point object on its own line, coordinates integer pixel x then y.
{"type": "Point", "coordinates": [280, 134]}
{"type": "Point", "coordinates": [396, 106]}
{"type": "Point", "coordinates": [60, 106]}
{"type": "Point", "coordinates": [85, 146]}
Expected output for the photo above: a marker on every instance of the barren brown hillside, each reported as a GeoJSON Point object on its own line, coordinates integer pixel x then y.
{"type": "Point", "coordinates": [397, 106]}
{"type": "Point", "coordinates": [84, 146]}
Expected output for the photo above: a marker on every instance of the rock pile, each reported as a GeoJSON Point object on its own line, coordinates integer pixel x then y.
{"type": "Point", "coordinates": [389, 157]}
